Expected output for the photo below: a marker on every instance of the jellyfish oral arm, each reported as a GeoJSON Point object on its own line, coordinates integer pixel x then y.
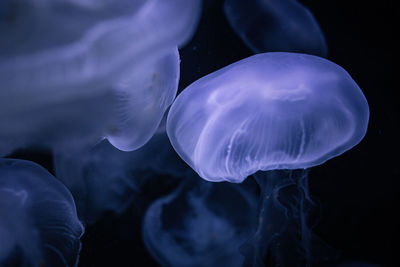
{"type": "Point", "coordinates": [283, 225]}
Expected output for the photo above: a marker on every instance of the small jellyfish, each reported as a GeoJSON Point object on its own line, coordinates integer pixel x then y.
{"type": "Point", "coordinates": [73, 74]}
{"type": "Point", "coordinates": [266, 116]}
{"type": "Point", "coordinates": [38, 221]}
{"type": "Point", "coordinates": [200, 224]}
{"type": "Point", "coordinates": [276, 26]}
{"type": "Point", "coordinates": [104, 178]}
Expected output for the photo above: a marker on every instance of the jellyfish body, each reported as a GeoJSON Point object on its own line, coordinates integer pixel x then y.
{"type": "Point", "coordinates": [105, 179]}
{"type": "Point", "coordinates": [38, 223]}
{"type": "Point", "coordinates": [108, 71]}
{"type": "Point", "coordinates": [269, 111]}
{"type": "Point", "coordinates": [200, 224]}
{"type": "Point", "coordinates": [276, 25]}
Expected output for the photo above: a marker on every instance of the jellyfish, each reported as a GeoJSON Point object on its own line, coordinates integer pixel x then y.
{"type": "Point", "coordinates": [276, 26]}
{"type": "Point", "coordinates": [104, 178]}
{"type": "Point", "coordinates": [38, 221]}
{"type": "Point", "coordinates": [75, 72]}
{"type": "Point", "coordinates": [200, 224]}
{"type": "Point", "coordinates": [272, 116]}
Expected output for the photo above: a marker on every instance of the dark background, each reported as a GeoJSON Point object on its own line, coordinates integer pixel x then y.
{"type": "Point", "coordinates": [358, 191]}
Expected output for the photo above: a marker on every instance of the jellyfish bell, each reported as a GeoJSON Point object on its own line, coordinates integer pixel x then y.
{"type": "Point", "coordinates": [266, 112]}
{"type": "Point", "coordinates": [276, 25]}
{"type": "Point", "coordinates": [13, 223]}
{"type": "Point", "coordinates": [127, 113]}
{"type": "Point", "coordinates": [38, 222]}
{"type": "Point", "coordinates": [104, 73]}
{"type": "Point", "coordinates": [200, 224]}
{"type": "Point", "coordinates": [154, 85]}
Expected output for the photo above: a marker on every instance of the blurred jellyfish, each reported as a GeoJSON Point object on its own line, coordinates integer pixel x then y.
{"type": "Point", "coordinates": [200, 224]}
{"type": "Point", "coordinates": [272, 111]}
{"type": "Point", "coordinates": [106, 179]}
{"type": "Point", "coordinates": [75, 72]}
{"type": "Point", "coordinates": [38, 221]}
{"type": "Point", "coordinates": [276, 25]}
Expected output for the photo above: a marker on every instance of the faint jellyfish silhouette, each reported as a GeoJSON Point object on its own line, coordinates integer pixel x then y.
{"type": "Point", "coordinates": [105, 179]}
{"type": "Point", "coordinates": [105, 72]}
{"type": "Point", "coordinates": [200, 224]}
{"type": "Point", "coordinates": [38, 221]}
{"type": "Point", "coordinates": [276, 25]}
{"type": "Point", "coordinates": [272, 111]}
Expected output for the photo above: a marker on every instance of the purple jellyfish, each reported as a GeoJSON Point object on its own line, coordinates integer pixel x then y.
{"type": "Point", "coordinates": [266, 116]}
{"type": "Point", "coordinates": [200, 224]}
{"type": "Point", "coordinates": [106, 179]}
{"type": "Point", "coordinates": [75, 72]}
{"type": "Point", "coordinates": [38, 221]}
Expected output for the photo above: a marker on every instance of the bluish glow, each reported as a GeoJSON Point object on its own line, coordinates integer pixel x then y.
{"type": "Point", "coordinates": [39, 225]}
{"type": "Point", "coordinates": [106, 179]}
{"type": "Point", "coordinates": [90, 81]}
{"type": "Point", "coordinates": [276, 25]}
{"type": "Point", "coordinates": [269, 111]}
{"type": "Point", "coordinates": [144, 94]}
{"type": "Point", "coordinates": [200, 224]}
{"type": "Point", "coordinates": [105, 72]}
{"type": "Point", "coordinates": [283, 233]}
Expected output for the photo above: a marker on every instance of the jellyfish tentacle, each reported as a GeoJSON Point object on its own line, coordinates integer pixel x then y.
{"type": "Point", "coordinates": [283, 223]}
{"type": "Point", "coordinates": [271, 219]}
